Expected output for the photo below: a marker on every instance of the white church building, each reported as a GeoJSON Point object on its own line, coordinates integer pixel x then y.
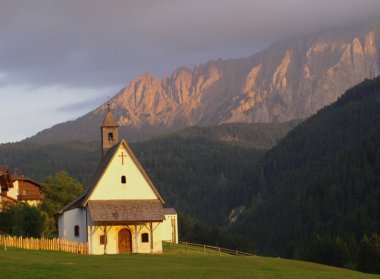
{"type": "Point", "coordinates": [120, 211]}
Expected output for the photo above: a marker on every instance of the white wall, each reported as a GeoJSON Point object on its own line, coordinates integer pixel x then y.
{"type": "Point", "coordinates": [68, 220]}
{"type": "Point", "coordinates": [112, 236]}
{"type": "Point", "coordinates": [167, 227]}
{"type": "Point", "coordinates": [110, 187]}
{"type": "Point", "coordinates": [13, 192]}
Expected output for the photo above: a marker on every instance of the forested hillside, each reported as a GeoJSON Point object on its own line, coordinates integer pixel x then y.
{"type": "Point", "coordinates": [197, 170]}
{"type": "Point", "coordinates": [316, 194]}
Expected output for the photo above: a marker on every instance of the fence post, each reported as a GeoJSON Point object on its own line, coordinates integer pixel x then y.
{"type": "Point", "coordinates": [219, 251]}
{"type": "Point", "coordinates": [204, 249]}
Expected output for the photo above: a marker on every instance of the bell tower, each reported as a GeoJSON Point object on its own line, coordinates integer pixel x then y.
{"type": "Point", "coordinates": [110, 131]}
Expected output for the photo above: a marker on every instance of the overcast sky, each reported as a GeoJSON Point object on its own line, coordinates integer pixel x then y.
{"type": "Point", "coordinates": [62, 58]}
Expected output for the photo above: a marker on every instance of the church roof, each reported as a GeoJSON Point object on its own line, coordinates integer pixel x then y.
{"type": "Point", "coordinates": [125, 211]}
{"type": "Point", "coordinates": [101, 169]}
{"type": "Point", "coordinates": [109, 121]}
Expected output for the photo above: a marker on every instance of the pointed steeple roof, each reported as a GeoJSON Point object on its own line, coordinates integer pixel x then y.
{"type": "Point", "coordinates": [109, 121]}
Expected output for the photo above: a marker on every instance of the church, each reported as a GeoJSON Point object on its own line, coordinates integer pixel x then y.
{"type": "Point", "coordinates": [120, 211]}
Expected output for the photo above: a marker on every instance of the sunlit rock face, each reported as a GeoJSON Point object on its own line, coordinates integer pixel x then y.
{"type": "Point", "coordinates": [289, 80]}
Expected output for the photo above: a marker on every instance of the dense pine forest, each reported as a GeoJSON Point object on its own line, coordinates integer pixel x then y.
{"type": "Point", "coordinates": [316, 194]}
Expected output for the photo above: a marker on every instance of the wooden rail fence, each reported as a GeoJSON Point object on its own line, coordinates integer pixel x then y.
{"type": "Point", "coordinates": [215, 248]}
{"type": "Point", "coordinates": [54, 244]}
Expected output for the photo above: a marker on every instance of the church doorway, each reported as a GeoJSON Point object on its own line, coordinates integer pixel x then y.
{"type": "Point", "coordinates": [125, 241]}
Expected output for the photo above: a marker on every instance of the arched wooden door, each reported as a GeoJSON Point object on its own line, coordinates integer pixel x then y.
{"type": "Point", "coordinates": [125, 241]}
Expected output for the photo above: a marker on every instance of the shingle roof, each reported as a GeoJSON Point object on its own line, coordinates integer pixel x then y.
{"type": "Point", "coordinates": [125, 211]}
{"type": "Point", "coordinates": [170, 211]}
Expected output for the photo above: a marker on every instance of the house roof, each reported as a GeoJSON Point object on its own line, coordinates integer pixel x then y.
{"type": "Point", "coordinates": [170, 211]}
{"type": "Point", "coordinates": [8, 198]}
{"type": "Point", "coordinates": [27, 179]}
{"type": "Point", "coordinates": [101, 169]}
{"type": "Point", "coordinates": [125, 211]}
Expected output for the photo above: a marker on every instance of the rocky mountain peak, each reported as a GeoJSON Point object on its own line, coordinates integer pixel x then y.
{"type": "Point", "coordinates": [289, 80]}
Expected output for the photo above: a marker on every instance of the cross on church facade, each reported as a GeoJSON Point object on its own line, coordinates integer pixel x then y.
{"type": "Point", "coordinates": [122, 156]}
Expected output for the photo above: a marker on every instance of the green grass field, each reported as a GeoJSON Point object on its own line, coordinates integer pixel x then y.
{"type": "Point", "coordinates": [176, 262]}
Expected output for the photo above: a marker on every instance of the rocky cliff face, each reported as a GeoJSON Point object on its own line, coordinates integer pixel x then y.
{"type": "Point", "coordinates": [289, 80]}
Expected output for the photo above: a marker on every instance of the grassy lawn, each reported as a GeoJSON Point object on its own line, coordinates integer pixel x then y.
{"type": "Point", "coordinates": [176, 262]}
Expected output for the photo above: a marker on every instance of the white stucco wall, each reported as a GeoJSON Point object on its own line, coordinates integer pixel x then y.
{"type": "Point", "coordinates": [167, 227]}
{"type": "Point", "coordinates": [112, 236]}
{"type": "Point", "coordinates": [110, 187]}
{"type": "Point", "coordinates": [13, 192]}
{"type": "Point", "coordinates": [68, 220]}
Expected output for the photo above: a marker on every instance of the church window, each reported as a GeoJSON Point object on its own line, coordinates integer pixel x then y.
{"type": "Point", "coordinates": [110, 136]}
{"type": "Point", "coordinates": [76, 231]}
{"type": "Point", "coordinates": [103, 239]}
{"type": "Point", "coordinates": [123, 179]}
{"type": "Point", "coordinates": [145, 237]}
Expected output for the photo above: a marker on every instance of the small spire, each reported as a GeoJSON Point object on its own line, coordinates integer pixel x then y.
{"type": "Point", "coordinates": [109, 131]}
{"type": "Point", "coordinates": [109, 120]}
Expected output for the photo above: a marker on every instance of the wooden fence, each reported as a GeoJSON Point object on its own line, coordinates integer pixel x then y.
{"type": "Point", "coordinates": [54, 244]}
{"type": "Point", "coordinates": [214, 248]}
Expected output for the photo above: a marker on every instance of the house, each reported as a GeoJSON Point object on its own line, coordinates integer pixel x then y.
{"type": "Point", "coordinates": [26, 190]}
{"type": "Point", "coordinates": [18, 188]}
{"type": "Point", "coordinates": [5, 179]}
{"type": "Point", "coordinates": [120, 211]}
{"type": "Point", "coordinates": [5, 184]}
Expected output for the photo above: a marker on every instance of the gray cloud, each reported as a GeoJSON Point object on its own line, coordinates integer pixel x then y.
{"type": "Point", "coordinates": [92, 43]}
{"type": "Point", "coordinates": [83, 106]}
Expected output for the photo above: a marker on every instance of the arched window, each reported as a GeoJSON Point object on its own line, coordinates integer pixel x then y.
{"type": "Point", "coordinates": [110, 136]}
{"type": "Point", "coordinates": [145, 237]}
{"type": "Point", "coordinates": [76, 231]}
{"type": "Point", "coordinates": [123, 179]}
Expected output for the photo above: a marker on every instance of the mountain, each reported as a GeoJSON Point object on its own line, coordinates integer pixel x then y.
{"type": "Point", "coordinates": [292, 79]}
{"type": "Point", "coordinates": [315, 194]}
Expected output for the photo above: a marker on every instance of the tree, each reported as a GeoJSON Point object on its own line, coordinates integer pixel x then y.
{"type": "Point", "coordinates": [22, 220]}
{"type": "Point", "coordinates": [59, 190]}
{"type": "Point", "coordinates": [369, 257]}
